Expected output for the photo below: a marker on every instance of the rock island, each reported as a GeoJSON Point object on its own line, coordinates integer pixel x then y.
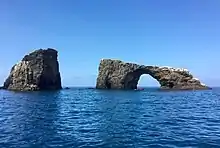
{"type": "Point", "coordinates": [116, 74]}
{"type": "Point", "coordinates": [38, 70]}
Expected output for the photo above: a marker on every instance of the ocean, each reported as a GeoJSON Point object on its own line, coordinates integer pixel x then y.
{"type": "Point", "coordinates": [90, 118]}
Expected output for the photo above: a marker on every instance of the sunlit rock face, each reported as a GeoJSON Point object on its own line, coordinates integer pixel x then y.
{"type": "Point", "coordinates": [115, 74]}
{"type": "Point", "coordinates": [38, 70]}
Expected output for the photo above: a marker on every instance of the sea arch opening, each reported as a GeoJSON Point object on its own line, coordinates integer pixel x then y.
{"type": "Point", "coordinates": [146, 80]}
{"type": "Point", "coordinates": [134, 79]}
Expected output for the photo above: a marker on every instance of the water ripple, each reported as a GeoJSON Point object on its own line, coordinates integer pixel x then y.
{"type": "Point", "coordinates": [98, 118]}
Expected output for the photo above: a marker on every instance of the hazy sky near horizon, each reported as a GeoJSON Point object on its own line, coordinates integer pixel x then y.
{"type": "Point", "coordinates": [183, 33]}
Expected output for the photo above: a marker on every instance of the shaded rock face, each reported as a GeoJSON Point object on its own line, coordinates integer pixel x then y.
{"type": "Point", "coordinates": [115, 74]}
{"type": "Point", "coordinates": [37, 71]}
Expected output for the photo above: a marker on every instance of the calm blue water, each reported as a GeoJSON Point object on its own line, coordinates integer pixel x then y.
{"type": "Point", "coordinates": [96, 118]}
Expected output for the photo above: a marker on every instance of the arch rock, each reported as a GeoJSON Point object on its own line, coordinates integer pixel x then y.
{"type": "Point", "coordinates": [116, 74]}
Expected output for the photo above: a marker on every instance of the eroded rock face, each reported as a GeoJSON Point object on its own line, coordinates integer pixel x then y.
{"type": "Point", "coordinates": [38, 70]}
{"type": "Point", "coordinates": [115, 74]}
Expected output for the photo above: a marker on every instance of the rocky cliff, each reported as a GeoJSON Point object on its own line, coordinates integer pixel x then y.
{"type": "Point", "coordinates": [115, 74]}
{"type": "Point", "coordinates": [38, 70]}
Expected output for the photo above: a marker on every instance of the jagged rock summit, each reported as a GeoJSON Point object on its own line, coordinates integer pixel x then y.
{"type": "Point", "coordinates": [38, 70]}
{"type": "Point", "coordinates": [115, 74]}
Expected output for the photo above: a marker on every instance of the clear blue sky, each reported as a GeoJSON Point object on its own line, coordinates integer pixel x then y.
{"type": "Point", "coordinates": [178, 33]}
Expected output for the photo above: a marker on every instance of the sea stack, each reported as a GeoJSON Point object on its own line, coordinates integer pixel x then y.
{"type": "Point", "coordinates": [116, 74]}
{"type": "Point", "coordinates": [38, 70]}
